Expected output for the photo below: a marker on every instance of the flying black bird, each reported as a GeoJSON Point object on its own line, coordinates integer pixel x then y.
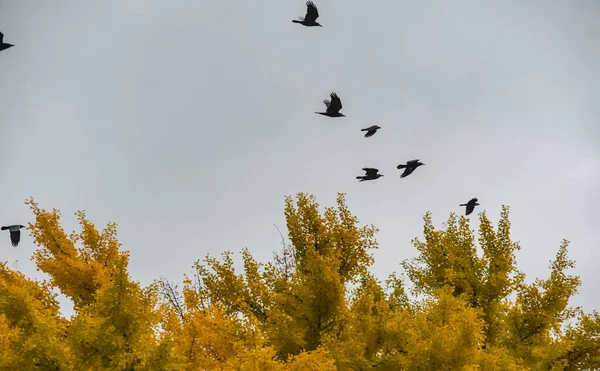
{"type": "Point", "coordinates": [3, 45]}
{"type": "Point", "coordinates": [470, 205]}
{"type": "Point", "coordinates": [371, 130]}
{"type": "Point", "coordinates": [311, 16]}
{"type": "Point", "coordinates": [15, 233]}
{"type": "Point", "coordinates": [409, 167]}
{"type": "Point", "coordinates": [333, 106]}
{"type": "Point", "coordinates": [371, 174]}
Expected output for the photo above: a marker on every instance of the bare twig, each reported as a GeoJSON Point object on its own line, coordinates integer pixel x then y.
{"type": "Point", "coordinates": [287, 260]}
{"type": "Point", "coordinates": [169, 291]}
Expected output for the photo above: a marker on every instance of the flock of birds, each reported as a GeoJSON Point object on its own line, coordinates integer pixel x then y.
{"type": "Point", "coordinates": [333, 108]}
{"type": "Point", "coordinates": [334, 105]}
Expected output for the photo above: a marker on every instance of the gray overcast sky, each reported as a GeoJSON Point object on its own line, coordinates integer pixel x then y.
{"type": "Point", "coordinates": [187, 122]}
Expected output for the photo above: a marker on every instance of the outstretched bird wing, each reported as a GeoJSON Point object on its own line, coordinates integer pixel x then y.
{"type": "Point", "coordinates": [311, 12]}
{"type": "Point", "coordinates": [1, 38]}
{"type": "Point", "coordinates": [15, 237]}
{"type": "Point", "coordinates": [370, 133]}
{"type": "Point", "coordinates": [326, 102]}
{"type": "Point", "coordinates": [370, 171]}
{"type": "Point", "coordinates": [407, 171]}
{"type": "Point", "coordinates": [335, 105]}
{"type": "Point", "coordinates": [470, 208]}
{"type": "Point", "coordinates": [412, 162]}
{"type": "Point", "coordinates": [473, 201]}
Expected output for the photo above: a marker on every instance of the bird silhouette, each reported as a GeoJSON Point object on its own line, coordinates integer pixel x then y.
{"type": "Point", "coordinates": [15, 233]}
{"type": "Point", "coordinates": [311, 16]}
{"type": "Point", "coordinates": [333, 106]}
{"type": "Point", "coordinates": [371, 130]}
{"type": "Point", "coordinates": [371, 174]}
{"type": "Point", "coordinates": [3, 45]}
{"type": "Point", "coordinates": [470, 205]}
{"type": "Point", "coordinates": [409, 167]}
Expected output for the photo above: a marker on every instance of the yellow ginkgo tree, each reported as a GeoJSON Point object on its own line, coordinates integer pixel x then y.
{"type": "Point", "coordinates": [316, 306]}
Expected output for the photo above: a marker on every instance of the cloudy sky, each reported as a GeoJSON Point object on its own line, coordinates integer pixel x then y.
{"type": "Point", "coordinates": [188, 122]}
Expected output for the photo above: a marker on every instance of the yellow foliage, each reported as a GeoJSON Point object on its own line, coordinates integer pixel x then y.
{"type": "Point", "coordinates": [316, 306]}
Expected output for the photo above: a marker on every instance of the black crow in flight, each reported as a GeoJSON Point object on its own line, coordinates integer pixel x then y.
{"type": "Point", "coordinates": [371, 130]}
{"type": "Point", "coordinates": [470, 205]}
{"type": "Point", "coordinates": [310, 19]}
{"type": "Point", "coordinates": [371, 174]}
{"type": "Point", "coordinates": [409, 167]}
{"type": "Point", "coordinates": [15, 233]}
{"type": "Point", "coordinates": [333, 106]}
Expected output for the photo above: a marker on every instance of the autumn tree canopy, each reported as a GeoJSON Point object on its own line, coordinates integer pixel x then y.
{"type": "Point", "coordinates": [316, 306]}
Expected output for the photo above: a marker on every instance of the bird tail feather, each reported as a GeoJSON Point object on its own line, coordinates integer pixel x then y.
{"type": "Point", "coordinates": [463, 204]}
{"type": "Point", "coordinates": [4, 228]}
{"type": "Point", "coordinates": [296, 21]}
{"type": "Point", "coordinates": [401, 167]}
